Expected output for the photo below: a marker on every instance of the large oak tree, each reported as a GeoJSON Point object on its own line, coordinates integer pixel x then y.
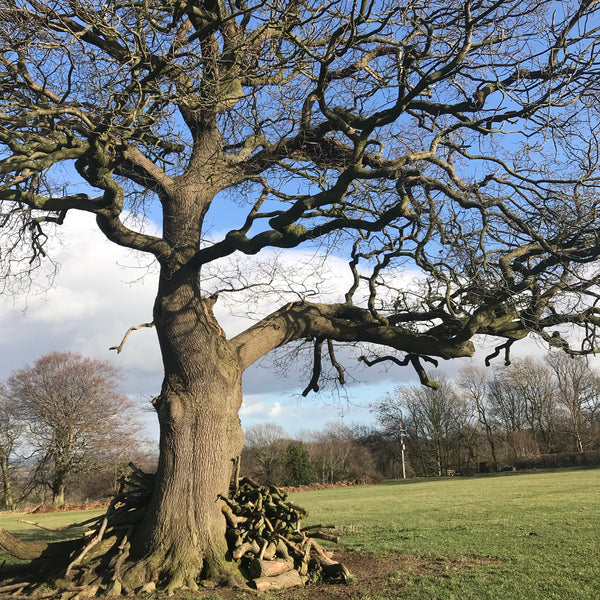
{"type": "Point", "coordinates": [456, 139]}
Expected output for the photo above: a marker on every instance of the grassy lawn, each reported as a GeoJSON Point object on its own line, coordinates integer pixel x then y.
{"type": "Point", "coordinates": [543, 528]}
{"type": "Point", "coordinates": [507, 537]}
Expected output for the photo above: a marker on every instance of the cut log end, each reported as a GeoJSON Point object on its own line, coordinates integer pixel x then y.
{"type": "Point", "coordinates": [285, 580]}
{"type": "Point", "coordinates": [268, 568]}
{"type": "Point", "coordinates": [336, 572]}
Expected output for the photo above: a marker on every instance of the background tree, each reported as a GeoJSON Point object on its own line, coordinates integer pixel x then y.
{"type": "Point", "coordinates": [383, 444]}
{"type": "Point", "coordinates": [526, 408]}
{"type": "Point", "coordinates": [102, 482]}
{"type": "Point", "coordinates": [297, 464]}
{"type": "Point", "coordinates": [474, 382]}
{"type": "Point", "coordinates": [578, 392]}
{"type": "Point", "coordinates": [10, 430]}
{"type": "Point", "coordinates": [510, 407]}
{"type": "Point", "coordinates": [434, 419]}
{"type": "Point", "coordinates": [337, 455]}
{"type": "Point", "coordinates": [264, 448]}
{"type": "Point", "coordinates": [457, 139]}
{"type": "Point", "coordinates": [75, 417]}
{"type": "Point", "coordinates": [533, 382]}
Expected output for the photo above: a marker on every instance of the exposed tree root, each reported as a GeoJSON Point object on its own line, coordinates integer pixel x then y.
{"type": "Point", "coordinates": [267, 547]}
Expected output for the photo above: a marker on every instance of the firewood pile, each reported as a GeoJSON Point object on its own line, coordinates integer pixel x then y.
{"type": "Point", "coordinates": [264, 533]}
{"type": "Point", "coordinates": [125, 511]}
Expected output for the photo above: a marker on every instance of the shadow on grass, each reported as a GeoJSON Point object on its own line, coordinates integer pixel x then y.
{"type": "Point", "coordinates": [495, 475]}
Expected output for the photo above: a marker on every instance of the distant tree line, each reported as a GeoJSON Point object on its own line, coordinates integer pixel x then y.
{"type": "Point", "coordinates": [66, 432]}
{"type": "Point", "coordinates": [529, 414]}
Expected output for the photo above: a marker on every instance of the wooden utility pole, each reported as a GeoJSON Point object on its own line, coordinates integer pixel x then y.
{"type": "Point", "coordinates": [402, 446]}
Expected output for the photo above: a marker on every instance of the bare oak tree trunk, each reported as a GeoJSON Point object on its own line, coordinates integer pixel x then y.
{"type": "Point", "coordinates": [62, 467]}
{"type": "Point", "coordinates": [58, 492]}
{"type": "Point", "coordinates": [200, 435]}
{"type": "Point", "coordinates": [7, 499]}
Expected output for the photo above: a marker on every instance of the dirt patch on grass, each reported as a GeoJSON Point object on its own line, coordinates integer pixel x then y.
{"type": "Point", "coordinates": [373, 575]}
{"type": "Point", "coordinates": [380, 574]}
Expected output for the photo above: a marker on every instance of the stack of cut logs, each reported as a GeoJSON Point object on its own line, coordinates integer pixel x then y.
{"type": "Point", "coordinates": [264, 533]}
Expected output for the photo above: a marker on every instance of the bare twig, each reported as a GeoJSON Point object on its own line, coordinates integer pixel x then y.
{"type": "Point", "coordinates": [506, 347]}
{"type": "Point", "coordinates": [314, 381]}
{"type": "Point", "coordinates": [13, 587]}
{"type": "Point", "coordinates": [335, 363]}
{"type": "Point", "coordinates": [135, 328]}
{"type": "Point", "coordinates": [414, 360]}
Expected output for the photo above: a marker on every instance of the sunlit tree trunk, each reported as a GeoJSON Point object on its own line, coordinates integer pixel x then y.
{"type": "Point", "coordinates": [62, 467]}
{"type": "Point", "coordinates": [200, 436]}
{"type": "Point", "coordinates": [58, 493]}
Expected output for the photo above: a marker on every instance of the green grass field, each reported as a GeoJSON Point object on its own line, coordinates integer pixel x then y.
{"type": "Point", "coordinates": [539, 534]}
{"type": "Point", "coordinates": [543, 529]}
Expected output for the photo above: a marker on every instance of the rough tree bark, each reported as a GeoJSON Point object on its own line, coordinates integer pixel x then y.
{"type": "Point", "coordinates": [59, 478]}
{"type": "Point", "coordinates": [58, 493]}
{"type": "Point", "coordinates": [200, 435]}
{"type": "Point", "coordinates": [7, 498]}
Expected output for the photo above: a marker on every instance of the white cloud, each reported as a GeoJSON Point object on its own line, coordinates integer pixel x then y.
{"type": "Point", "coordinates": [257, 408]}
{"type": "Point", "coordinates": [89, 308]}
{"type": "Point", "coordinates": [295, 413]}
{"type": "Point", "coordinates": [62, 304]}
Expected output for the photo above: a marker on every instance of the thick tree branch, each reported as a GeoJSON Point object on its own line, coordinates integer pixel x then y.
{"type": "Point", "coordinates": [336, 365]}
{"type": "Point", "coordinates": [313, 385]}
{"type": "Point", "coordinates": [339, 322]}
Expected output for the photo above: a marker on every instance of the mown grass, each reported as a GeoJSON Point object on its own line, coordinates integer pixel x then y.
{"type": "Point", "coordinates": [540, 530]}
{"type": "Point", "coordinates": [543, 529]}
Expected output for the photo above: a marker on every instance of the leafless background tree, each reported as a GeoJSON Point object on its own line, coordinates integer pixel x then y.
{"type": "Point", "coordinates": [434, 419]}
{"type": "Point", "coordinates": [11, 428]}
{"type": "Point", "coordinates": [74, 416]}
{"type": "Point", "coordinates": [337, 455]}
{"type": "Point", "coordinates": [578, 393]}
{"type": "Point", "coordinates": [522, 414]}
{"type": "Point", "coordinates": [264, 446]}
